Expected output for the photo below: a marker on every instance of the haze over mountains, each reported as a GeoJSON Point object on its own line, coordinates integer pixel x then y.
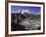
{"type": "Point", "coordinates": [27, 11]}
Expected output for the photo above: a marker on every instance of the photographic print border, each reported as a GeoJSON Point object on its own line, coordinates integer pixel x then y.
{"type": "Point", "coordinates": [6, 18]}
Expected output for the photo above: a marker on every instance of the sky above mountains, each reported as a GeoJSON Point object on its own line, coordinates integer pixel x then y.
{"type": "Point", "coordinates": [35, 10]}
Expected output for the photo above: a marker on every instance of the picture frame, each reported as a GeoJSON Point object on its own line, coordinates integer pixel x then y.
{"type": "Point", "coordinates": [8, 16]}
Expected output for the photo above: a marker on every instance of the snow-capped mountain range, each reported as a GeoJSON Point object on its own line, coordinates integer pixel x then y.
{"type": "Point", "coordinates": [28, 12]}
